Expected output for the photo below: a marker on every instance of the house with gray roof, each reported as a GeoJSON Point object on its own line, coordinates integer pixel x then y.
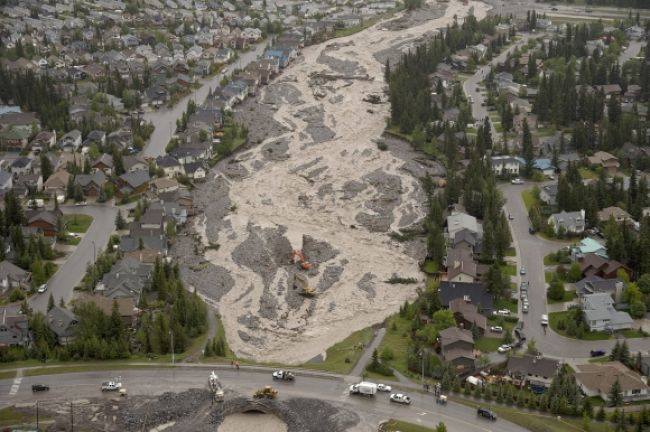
{"type": "Point", "coordinates": [460, 221]}
{"type": "Point", "coordinates": [457, 347]}
{"type": "Point", "coordinates": [14, 329]}
{"type": "Point", "coordinates": [600, 314]}
{"type": "Point", "coordinates": [548, 194]}
{"type": "Point", "coordinates": [570, 222]}
{"type": "Point", "coordinates": [532, 370]}
{"type": "Point", "coordinates": [6, 181]}
{"type": "Point", "coordinates": [63, 323]}
{"type": "Point", "coordinates": [71, 141]}
{"type": "Point", "coordinates": [12, 276]}
{"type": "Point", "coordinates": [127, 278]}
{"type": "Point", "coordinates": [595, 284]}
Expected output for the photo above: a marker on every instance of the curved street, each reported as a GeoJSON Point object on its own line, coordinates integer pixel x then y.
{"type": "Point", "coordinates": [531, 250]}
{"type": "Point", "coordinates": [73, 269]}
{"type": "Point", "coordinates": [331, 388]}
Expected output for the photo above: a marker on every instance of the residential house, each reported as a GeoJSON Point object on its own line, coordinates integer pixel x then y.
{"type": "Point", "coordinates": [57, 183]}
{"type": "Point", "coordinates": [605, 160]}
{"type": "Point", "coordinates": [457, 347]}
{"type": "Point", "coordinates": [478, 50]}
{"type": "Point", "coordinates": [135, 182]}
{"type": "Point", "coordinates": [459, 221]}
{"type": "Point", "coordinates": [461, 266]}
{"type": "Point", "coordinates": [164, 184]}
{"type": "Point", "coordinates": [645, 364]}
{"type": "Point", "coordinates": [12, 276]}
{"type": "Point", "coordinates": [548, 194]}
{"type": "Point", "coordinates": [635, 32]}
{"type": "Point", "coordinates": [126, 279]}
{"type": "Point", "coordinates": [71, 141]}
{"type": "Point", "coordinates": [14, 139]}
{"type": "Point", "coordinates": [467, 315]}
{"type": "Point", "coordinates": [156, 96]}
{"type": "Point", "coordinates": [63, 323]}
{"type": "Point", "coordinates": [104, 164]}
{"type": "Point", "coordinates": [6, 181]}
{"type": "Point", "coordinates": [133, 163]}
{"type": "Point", "coordinates": [14, 330]}
{"type": "Point", "coordinates": [600, 314]}
{"type": "Point", "coordinates": [618, 214]}
{"type": "Point", "coordinates": [97, 136]}
{"type": "Point", "coordinates": [279, 55]}
{"type": "Point", "coordinates": [169, 165]}
{"type": "Point", "coordinates": [473, 293]}
{"type": "Point", "coordinates": [507, 165]}
{"type": "Point", "coordinates": [532, 370]}
{"type": "Point", "coordinates": [46, 220]}
{"type": "Point", "coordinates": [27, 121]}
{"type": "Point", "coordinates": [26, 183]}
{"type": "Point", "coordinates": [588, 246]}
{"type": "Point", "coordinates": [196, 171]}
{"type": "Point", "coordinates": [43, 141]}
{"type": "Point", "coordinates": [126, 306]}
{"type": "Point", "coordinates": [596, 284]}
{"type": "Point", "coordinates": [545, 166]}
{"type": "Point", "coordinates": [21, 166]}
{"type": "Point", "coordinates": [468, 240]}
{"type": "Point", "coordinates": [592, 264]}
{"type": "Point", "coordinates": [172, 209]}
{"type": "Point", "coordinates": [597, 379]}
{"type": "Point", "coordinates": [569, 222]}
{"type": "Point", "coordinates": [91, 184]}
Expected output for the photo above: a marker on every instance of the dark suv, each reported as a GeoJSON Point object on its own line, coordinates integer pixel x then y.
{"type": "Point", "coordinates": [484, 412]}
{"type": "Point", "coordinates": [40, 387]}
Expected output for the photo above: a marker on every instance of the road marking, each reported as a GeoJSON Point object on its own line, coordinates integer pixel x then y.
{"type": "Point", "coordinates": [15, 386]}
{"type": "Point", "coordinates": [422, 413]}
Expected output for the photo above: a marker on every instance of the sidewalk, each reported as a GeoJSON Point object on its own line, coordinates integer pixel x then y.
{"type": "Point", "coordinates": [367, 353]}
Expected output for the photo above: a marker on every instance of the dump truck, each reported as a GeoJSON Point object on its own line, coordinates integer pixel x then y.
{"type": "Point", "coordinates": [266, 392]}
{"type": "Point", "coordinates": [364, 388]}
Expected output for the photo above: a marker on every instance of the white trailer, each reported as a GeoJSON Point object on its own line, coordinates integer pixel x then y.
{"type": "Point", "coordinates": [364, 388]}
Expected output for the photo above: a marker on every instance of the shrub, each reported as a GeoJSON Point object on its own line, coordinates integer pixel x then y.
{"type": "Point", "coordinates": [387, 354]}
{"type": "Point", "coordinates": [382, 146]}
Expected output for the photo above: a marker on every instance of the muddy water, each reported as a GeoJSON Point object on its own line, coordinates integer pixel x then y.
{"type": "Point", "coordinates": [251, 422]}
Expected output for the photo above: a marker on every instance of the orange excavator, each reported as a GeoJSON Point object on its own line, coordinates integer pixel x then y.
{"type": "Point", "coordinates": [299, 258]}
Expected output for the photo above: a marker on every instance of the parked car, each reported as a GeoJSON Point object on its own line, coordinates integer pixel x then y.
{"type": "Point", "coordinates": [484, 412]}
{"type": "Point", "coordinates": [384, 388]}
{"type": "Point", "coordinates": [517, 181]}
{"type": "Point", "coordinates": [400, 398]}
{"type": "Point", "coordinates": [504, 348]}
{"type": "Point", "coordinates": [81, 203]}
{"type": "Point", "coordinates": [522, 271]}
{"type": "Point", "coordinates": [40, 387]}
{"type": "Point", "coordinates": [42, 288]}
{"type": "Point", "coordinates": [544, 320]}
{"type": "Point", "coordinates": [531, 230]}
{"type": "Point", "coordinates": [502, 312]}
{"type": "Point", "coordinates": [524, 308]}
{"type": "Point", "coordinates": [496, 329]}
{"type": "Point", "coordinates": [520, 334]}
{"type": "Point", "coordinates": [510, 217]}
{"type": "Point", "coordinates": [111, 386]}
{"type": "Point", "coordinates": [520, 325]}
{"type": "Point", "coordinates": [597, 353]}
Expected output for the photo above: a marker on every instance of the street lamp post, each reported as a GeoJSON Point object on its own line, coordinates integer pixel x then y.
{"type": "Point", "coordinates": [172, 336]}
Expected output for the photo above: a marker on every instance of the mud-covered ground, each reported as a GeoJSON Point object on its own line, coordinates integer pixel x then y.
{"type": "Point", "coordinates": [313, 179]}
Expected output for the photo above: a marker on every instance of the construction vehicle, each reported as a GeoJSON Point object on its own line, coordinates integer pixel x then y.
{"type": "Point", "coordinates": [301, 283]}
{"type": "Point", "coordinates": [298, 258]}
{"type": "Point", "coordinates": [266, 392]}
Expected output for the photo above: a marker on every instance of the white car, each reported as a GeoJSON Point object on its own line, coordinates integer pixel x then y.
{"type": "Point", "coordinates": [504, 348]}
{"type": "Point", "coordinates": [400, 398]}
{"type": "Point", "coordinates": [502, 312]}
{"type": "Point", "coordinates": [42, 288]}
{"type": "Point", "coordinates": [111, 386]}
{"type": "Point", "coordinates": [81, 203]}
{"type": "Point", "coordinates": [517, 181]}
{"type": "Point", "coordinates": [524, 308]}
{"type": "Point", "coordinates": [384, 388]}
{"type": "Point", "coordinates": [496, 329]}
{"type": "Point", "coordinates": [522, 271]}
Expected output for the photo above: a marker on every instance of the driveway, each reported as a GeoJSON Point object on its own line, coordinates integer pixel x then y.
{"type": "Point", "coordinates": [73, 269]}
{"type": "Point", "coordinates": [531, 250]}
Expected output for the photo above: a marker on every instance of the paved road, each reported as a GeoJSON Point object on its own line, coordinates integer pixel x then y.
{"type": "Point", "coordinates": [520, 7]}
{"type": "Point", "coordinates": [423, 410]}
{"type": "Point", "coordinates": [479, 112]}
{"type": "Point", "coordinates": [72, 271]}
{"type": "Point", "coordinates": [164, 119]}
{"type": "Point", "coordinates": [367, 353]}
{"type": "Point", "coordinates": [530, 252]}
{"type": "Point", "coordinates": [633, 50]}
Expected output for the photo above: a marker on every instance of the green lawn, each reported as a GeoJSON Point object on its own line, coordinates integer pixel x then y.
{"type": "Point", "coordinates": [71, 241]}
{"type": "Point", "coordinates": [7, 374]}
{"type": "Point", "coordinates": [510, 252]}
{"type": "Point", "coordinates": [548, 277]}
{"type": "Point", "coordinates": [498, 321]}
{"type": "Point", "coordinates": [536, 422]}
{"type": "Point", "coordinates": [587, 174]}
{"type": "Point", "coordinates": [487, 344]}
{"type": "Point", "coordinates": [10, 416]}
{"type": "Point", "coordinates": [397, 339]}
{"type": "Point", "coordinates": [430, 267]}
{"type": "Point", "coordinates": [529, 199]}
{"type": "Point", "coordinates": [555, 317]}
{"type": "Point", "coordinates": [633, 333]}
{"type": "Point", "coordinates": [373, 376]}
{"type": "Point", "coordinates": [77, 223]}
{"type": "Point", "coordinates": [402, 426]}
{"type": "Point", "coordinates": [350, 348]}
{"type": "Point", "coordinates": [511, 305]}
{"type": "Point", "coordinates": [550, 259]}
{"type": "Point", "coordinates": [80, 367]}
{"type": "Point", "coordinates": [509, 269]}
{"type": "Point", "coordinates": [568, 296]}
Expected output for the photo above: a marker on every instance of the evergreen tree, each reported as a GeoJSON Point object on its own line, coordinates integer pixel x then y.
{"type": "Point", "coordinates": [527, 149]}
{"type": "Point", "coordinates": [615, 394]}
{"type": "Point", "coordinates": [50, 302]}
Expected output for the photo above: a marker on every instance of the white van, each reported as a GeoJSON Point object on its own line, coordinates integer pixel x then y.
{"type": "Point", "coordinates": [544, 320]}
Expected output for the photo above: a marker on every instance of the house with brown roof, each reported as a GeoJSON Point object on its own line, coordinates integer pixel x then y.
{"type": "Point", "coordinates": [457, 347]}
{"type": "Point", "coordinates": [104, 164]}
{"type": "Point", "coordinates": [47, 221]}
{"type": "Point", "coordinates": [57, 183]}
{"type": "Point", "coordinates": [617, 213]}
{"type": "Point", "coordinates": [467, 315]}
{"type": "Point", "coordinates": [604, 160]}
{"type": "Point", "coordinates": [164, 184]}
{"type": "Point", "coordinates": [595, 265]}
{"type": "Point", "coordinates": [91, 184]}
{"type": "Point", "coordinates": [126, 306]}
{"type": "Point", "coordinates": [596, 379]}
{"type": "Point", "coordinates": [532, 370]}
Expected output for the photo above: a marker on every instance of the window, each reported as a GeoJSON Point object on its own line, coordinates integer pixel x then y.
{"type": "Point", "coordinates": [636, 391]}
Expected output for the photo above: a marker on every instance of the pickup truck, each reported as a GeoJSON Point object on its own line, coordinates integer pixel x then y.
{"type": "Point", "coordinates": [111, 386]}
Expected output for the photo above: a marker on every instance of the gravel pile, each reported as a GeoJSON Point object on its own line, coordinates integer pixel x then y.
{"type": "Point", "coordinates": [367, 284]}
{"type": "Point", "coordinates": [388, 189]}
{"type": "Point", "coordinates": [343, 67]}
{"type": "Point", "coordinates": [316, 129]}
{"type": "Point", "coordinates": [258, 119]}
{"type": "Point", "coordinates": [317, 252]}
{"type": "Point", "coordinates": [276, 150]}
{"type": "Point", "coordinates": [282, 93]}
{"type": "Point", "coordinates": [331, 275]}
